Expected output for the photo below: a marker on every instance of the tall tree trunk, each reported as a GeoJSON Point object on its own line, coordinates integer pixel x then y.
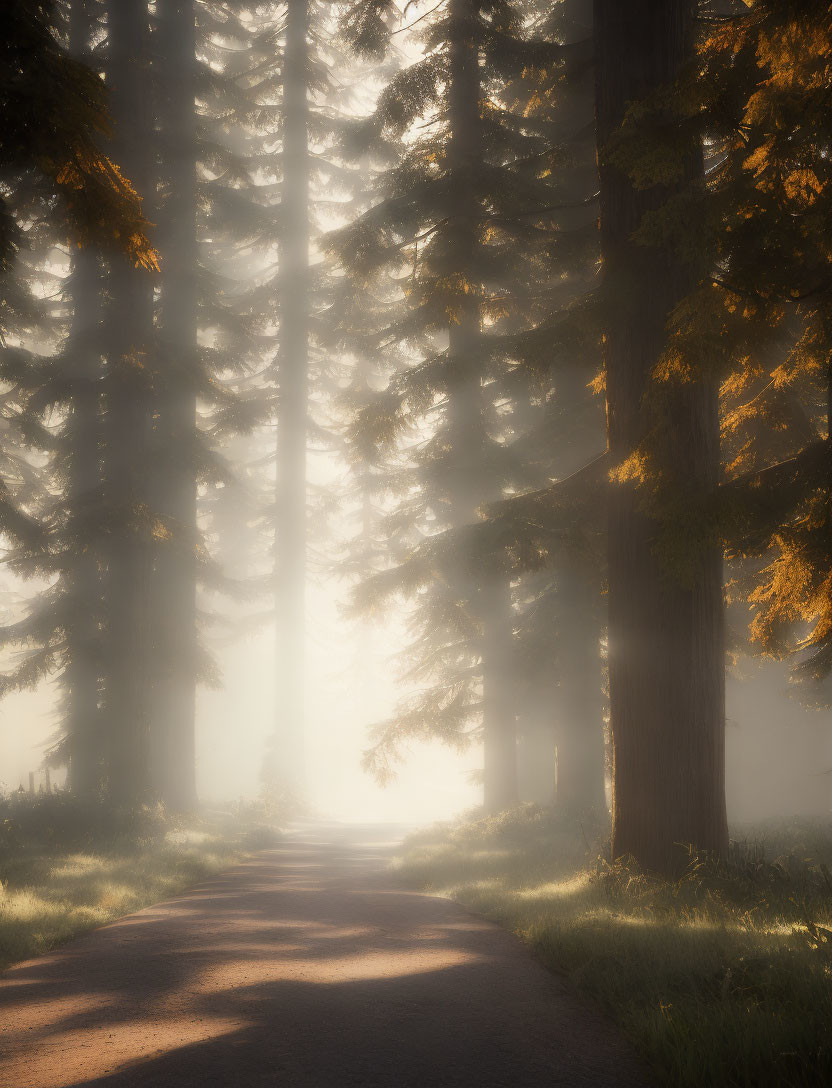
{"type": "Point", "coordinates": [174, 493]}
{"type": "Point", "coordinates": [579, 700]}
{"type": "Point", "coordinates": [666, 639]}
{"type": "Point", "coordinates": [293, 394]}
{"type": "Point", "coordinates": [488, 593]}
{"type": "Point", "coordinates": [83, 441]}
{"type": "Point", "coordinates": [130, 406]}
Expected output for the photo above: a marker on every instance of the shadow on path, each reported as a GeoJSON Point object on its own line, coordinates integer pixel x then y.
{"type": "Point", "coordinates": [304, 967]}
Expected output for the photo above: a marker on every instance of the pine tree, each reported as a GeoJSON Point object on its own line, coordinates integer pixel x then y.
{"type": "Point", "coordinates": [666, 641]}
{"type": "Point", "coordinates": [55, 112]}
{"type": "Point", "coordinates": [176, 456]}
{"type": "Point", "coordinates": [83, 439]}
{"type": "Point", "coordinates": [460, 224]}
{"type": "Point", "coordinates": [561, 619]}
{"type": "Point", "coordinates": [78, 197]}
{"type": "Point", "coordinates": [765, 111]}
{"type": "Point", "coordinates": [309, 180]}
{"type": "Point", "coordinates": [295, 313]}
{"type": "Point", "coordinates": [130, 347]}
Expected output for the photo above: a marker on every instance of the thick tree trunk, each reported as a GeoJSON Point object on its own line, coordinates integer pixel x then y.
{"type": "Point", "coordinates": [174, 491]}
{"type": "Point", "coordinates": [666, 639]}
{"type": "Point", "coordinates": [83, 441]}
{"type": "Point", "coordinates": [579, 700]}
{"type": "Point", "coordinates": [293, 386]}
{"type": "Point", "coordinates": [488, 592]}
{"type": "Point", "coordinates": [130, 406]}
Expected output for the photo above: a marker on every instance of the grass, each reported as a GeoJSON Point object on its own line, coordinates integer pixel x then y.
{"type": "Point", "coordinates": [68, 866]}
{"type": "Point", "coordinates": [721, 979]}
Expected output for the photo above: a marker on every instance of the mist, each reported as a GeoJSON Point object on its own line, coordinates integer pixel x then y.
{"type": "Point", "coordinates": [416, 523]}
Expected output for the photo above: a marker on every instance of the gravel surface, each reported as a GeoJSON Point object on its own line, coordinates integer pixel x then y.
{"type": "Point", "coordinates": [305, 966]}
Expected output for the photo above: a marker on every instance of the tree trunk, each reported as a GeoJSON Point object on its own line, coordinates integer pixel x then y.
{"type": "Point", "coordinates": [174, 494]}
{"type": "Point", "coordinates": [82, 437]}
{"type": "Point", "coordinates": [293, 382]}
{"type": "Point", "coordinates": [488, 592]}
{"type": "Point", "coordinates": [666, 639]}
{"type": "Point", "coordinates": [579, 700]}
{"type": "Point", "coordinates": [130, 354]}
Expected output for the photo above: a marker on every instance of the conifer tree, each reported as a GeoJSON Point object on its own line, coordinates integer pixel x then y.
{"type": "Point", "coordinates": [295, 313]}
{"type": "Point", "coordinates": [82, 483]}
{"type": "Point", "coordinates": [666, 641]}
{"type": "Point", "coordinates": [459, 224]}
{"type": "Point", "coordinates": [176, 455]}
{"type": "Point", "coordinates": [757, 323]}
{"type": "Point", "coordinates": [77, 195]}
{"type": "Point", "coordinates": [309, 181]}
{"type": "Point", "coordinates": [561, 618]}
{"type": "Point", "coordinates": [763, 101]}
{"type": "Point", "coordinates": [130, 346]}
{"type": "Point", "coordinates": [55, 111]}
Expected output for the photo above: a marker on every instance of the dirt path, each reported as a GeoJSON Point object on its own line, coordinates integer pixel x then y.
{"type": "Point", "coordinates": [305, 967]}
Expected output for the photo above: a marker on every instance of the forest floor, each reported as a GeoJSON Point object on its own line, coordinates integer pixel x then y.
{"type": "Point", "coordinates": [306, 965]}
{"type": "Point", "coordinates": [722, 979]}
{"type": "Point", "coordinates": [68, 866]}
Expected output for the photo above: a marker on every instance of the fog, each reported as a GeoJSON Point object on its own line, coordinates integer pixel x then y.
{"type": "Point", "coordinates": [301, 334]}
{"type": "Point", "coordinates": [235, 722]}
{"type": "Point", "coordinates": [777, 751]}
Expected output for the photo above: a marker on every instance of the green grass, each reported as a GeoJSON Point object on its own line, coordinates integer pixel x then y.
{"type": "Point", "coordinates": [67, 866]}
{"type": "Point", "coordinates": [721, 979]}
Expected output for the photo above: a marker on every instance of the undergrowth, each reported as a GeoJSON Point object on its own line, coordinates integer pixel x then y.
{"type": "Point", "coordinates": [721, 979]}
{"type": "Point", "coordinates": [69, 865]}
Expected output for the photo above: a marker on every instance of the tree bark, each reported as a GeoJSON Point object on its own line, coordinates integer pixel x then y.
{"type": "Point", "coordinates": [666, 639]}
{"type": "Point", "coordinates": [488, 593]}
{"type": "Point", "coordinates": [129, 331]}
{"type": "Point", "coordinates": [82, 437]}
{"type": "Point", "coordinates": [293, 396]}
{"type": "Point", "coordinates": [174, 492]}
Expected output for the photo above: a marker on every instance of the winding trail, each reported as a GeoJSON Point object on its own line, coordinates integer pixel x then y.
{"type": "Point", "coordinates": [305, 966]}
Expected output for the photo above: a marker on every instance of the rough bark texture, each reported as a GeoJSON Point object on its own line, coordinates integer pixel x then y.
{"type": "Point", "coordinates": [666, 639]}
{"type": "Point", "coordinates": [174, 490]}
{"type": "Point", "coordinates": [489, 593]}
{"type": "Point", "coordinates": [293, 393]}
{"type": "Point", "coordinates": [130, 406]}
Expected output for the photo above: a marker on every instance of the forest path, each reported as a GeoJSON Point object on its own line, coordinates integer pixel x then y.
{"type": "Point", "coordinates": [305, 966]}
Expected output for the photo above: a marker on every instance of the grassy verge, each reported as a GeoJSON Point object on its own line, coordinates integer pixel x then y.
{"type": "Point", "coordinates": [68, 866]}
{"type": "Point", "coordinates": [722, 979]}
